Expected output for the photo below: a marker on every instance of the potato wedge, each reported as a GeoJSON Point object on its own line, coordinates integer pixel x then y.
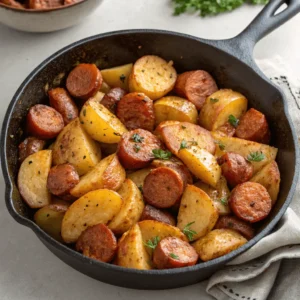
{"type": "Point", "coordinates": [132, 252]}
{"type": "Point", "coordinates": [269, 177]}
{"type": "Point", "coordinates": [131, 209]}
{"type": "Point", "coordinates": [218, 243]}
{"type": "Point", "coordinates": [107, 174]}
{"type": "Point", "coordinates": [98, 96]}
{"type": "Point", "coordinates": [100, 123]}
{"type": "Point", "coordinates": [50, 217]}
{"type": "Point", "coordinates": [175, 108]}
{"type": "Point", "coordinates": [219, 195]}
{"type": "Point", "coordinates": [151, 229]}
{"type": "Point", "coordinates": [73, 145]}
{"type": "Point", "coordinates": [198, 210]}
{"type": "Point", "coordinates": [244, 148]}
{"type": "Point", "coordinates": [95, 207]}
{"type": "Point", "coordinates": [152, 76]}
{"type": "Point", "coordinates": [219, 106]}
{"type": "Point", "coordinates": [139, 176]}
{"type": "Point", "coordinates": [105, 88]}
{"type": "Point", "coordinates": [32, 179]}
{"type": "Point", "coordinates": [174, 134]}
{"type": "Point", "coordinates": [117, 76]}
{"type": "Point", "coordinates": [202, 164]}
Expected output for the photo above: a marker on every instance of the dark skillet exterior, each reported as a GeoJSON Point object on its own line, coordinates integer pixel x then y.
{"type": "Point", "coordinates": [222, 60]}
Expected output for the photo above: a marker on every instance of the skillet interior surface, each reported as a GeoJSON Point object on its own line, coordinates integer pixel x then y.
{"type": "Point", "coordinates": [188, 53]}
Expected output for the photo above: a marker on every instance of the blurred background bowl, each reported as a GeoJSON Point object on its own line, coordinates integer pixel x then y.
{"type": "Point", "coordinates": [47, 20]}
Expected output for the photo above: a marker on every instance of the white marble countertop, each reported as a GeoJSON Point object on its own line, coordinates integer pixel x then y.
{"type": "Point", "coordinates": [28, 271]}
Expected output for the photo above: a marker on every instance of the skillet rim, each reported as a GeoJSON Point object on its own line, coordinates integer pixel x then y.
{"type": "Point", "coordinates": [85, 260]}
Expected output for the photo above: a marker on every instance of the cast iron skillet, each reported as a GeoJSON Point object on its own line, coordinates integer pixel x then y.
{"type": "Point", "coordinates": [229, 61]}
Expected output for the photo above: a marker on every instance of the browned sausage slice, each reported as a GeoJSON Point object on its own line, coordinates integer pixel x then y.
{"type": "Point", "coordinates": [61, 101]}
{"type": "Point", "coordinates": [163, 187]}
{"type": "Point", "coordinates": [111, 99]}
{"type": "Point", "coordinates": [196, 86]}
{"type": "Point", "coordinates": [172, 252]}
{"type": "Point", "coordinates": [98, 242]}
{"type": "Point", "coordinates": [152, 213]}
{"type": "Point", "coordinates": [232, 222]}
{"type": "Point", "coordinates": [226, 130]}
{"type": "Point", "coordinates": [84, 81]}
{"type": "Point", "coordinates": [235, 168]}
{"type": "Point", "coordinates": [135, 148]}
{"type": "Point", "coordinates": [29, 146]}
{"type": "Point", "coordinates": [12, 3]}
{"type": "Point", "coordinates": [61, 179]}
{"type": "Point", "coordinates": [44, 122]}
{"type": "Point", "coordinates": [44, 4]}
{"type": "Point", "coordinates": [250, 202]}
{"type": "Point", "coordinates": [253, 126]}
{"type": "Point", "coordinates": [135, 110]}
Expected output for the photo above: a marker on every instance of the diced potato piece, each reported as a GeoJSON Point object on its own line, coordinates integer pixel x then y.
{"type": "Point", "coordinates": [117, 76]}
{"type": "Point", "coordinates": [131, 209]}
{"type": "Point", "coordinates": [73, 145]}
{"type": "Point", "coordinates": [269, 177]}
{"type": "Point", "coordinates": [175, 108]}
{"type": "Point", "coordinates": [202, 164]}
{"type": "Point", "coordinates": [219, 194]}
{"type": "Point", "coordinates": [218, 243]}
{"type": "Point", "coordinates": [98, 96]}
{"type": "Point", "coordinates": [105, 88]}
{"type": "Point", "coordinates": [198, 210]}
{"type": "Point", "coordinates": [244, 148]}
{"type": "Point", "coordinates": [139, 176]}
{"type": "Point", "coordinates": [100, 123]}
{"type": "Point", "coordinates": [152, 76]}
{"type": "Point", "coordinates": [107, 174]}
{"type": "Point", "coordinates": [219, 106]}
{"type": "Point", "coordinates": [131, 251]}
{"type": "Point", "coordinates": [151, 229]}
{"type": "Point", "coordinates": [93, 208]}
{"type": "Point", "coordinates": [32, 179]}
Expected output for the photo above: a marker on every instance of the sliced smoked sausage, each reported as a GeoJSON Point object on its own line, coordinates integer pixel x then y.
{"type": "Point", "coordinates": [172, 252]}
{"type": "Point", "coordinates": [163, 187]}
{"type": "Point", "coordinates": [226, 130]}
{"type": "Point", "coordinates": [12, 3]}
{"type": "Point", "coordinates": [135, 148]}
{"type": "Point", "coordinates": [61, 101]}
{"type": "Point", "coordinates": [84, 81]}
{"type": "Point", "coordinates": [44, 4]}
{"type": "Point", "coordinates": [235, 168]}
{"type": "Point", "coordinates": [152, 213]}
{"type": "Point", "coordinates": [29, 146]}
{"type": "Point", "coordinates": [135, 110]}
{"type": "Point", "coordinates": [232, 222]}
{"type": "Point", "coordinates": [250, 202]}
{"type": "Point", "coordinates": [111, 99]}
{"type": "Point", "coordinates": [44, 122]}
{"type": "Point", "coordinates": [195, 86]}
{"type": "Point", "coordinates": [61, 179]}
{"type": "Point", "coordinates": [253, 126]}
{"type": "Point", "coordinates": [98, 242]}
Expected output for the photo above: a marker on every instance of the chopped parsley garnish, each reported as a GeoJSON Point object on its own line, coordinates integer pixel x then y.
{"type": "Point", "coordinates": [224, 201]}
{"type": "Point", "coordinates": [136, 148]}
{"type": "Point", "coordinates": [162, 154]}
{"type": "Point", "coordinates": [220, 144]}
{"type": "Point", "coordinates": [152, 243]}
{"type": "Point", "coordinates": [137, 138]}
{"type": "Point", "coordinates": [174, 256]}
{"type": "Point", "coordinates": [256, 156]}
{"type": "Point", "coordinates": [214, 100]}
{"type": "Point", "coordinates": [122, 78]}
{"type": "Point", "coordinates": [183, 144]}
{"type": "Point", "coordinates": [188, 231]}
{"type": "Point", "coordinates": [233, 121]}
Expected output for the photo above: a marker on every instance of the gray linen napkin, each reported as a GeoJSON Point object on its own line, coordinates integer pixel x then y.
{"type": "Point", "coordinates": [251, 275]}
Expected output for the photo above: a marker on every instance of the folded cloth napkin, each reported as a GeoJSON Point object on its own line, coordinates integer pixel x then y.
{"type": "Point", "coordinates": [251, 275]}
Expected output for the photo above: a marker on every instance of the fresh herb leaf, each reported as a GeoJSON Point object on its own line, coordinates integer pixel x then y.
{"type": "Point", "coordinates": [233, 121]}
{"type": "Point", "coordinates": [183, 144]}
{"type": "Point", "coordinates": [122, 78]}
{"type": "Point", "coordinates": [224, 201]}
{"type": "Point", "coordinates": [137, 138]}
{"type": "Point", "coordinates": [152, 243]}
{"type": "Point", "coordinates": [162, 154]}
{"type": "Point", "coordinates": [214, 100]}
{"type": "Point", "coordinates": [188, 231]}
{"type": "Point", "coordinates": [256, 156]}
{"type": "Point", "coordinates": [220, 144]}
{"type": "Point", "coordinates": [136, 148]}
{"type": "Point", "coordinates": [174, 256]}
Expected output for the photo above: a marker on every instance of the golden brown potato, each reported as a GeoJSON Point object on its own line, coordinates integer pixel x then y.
{"type": "Point", "coordinates": [131, 209]}
{"type": "Point", "coordinates": [107, 174]}
{"type": "Point", "coordinates": [218, 243]}
{"type": "Point", "coordinates": [197, 212]}
{"type": "Point", "coordinates": [219, 195]}
{"type": "Point", "coordinates": [219, 106]}
{"type": "Point", "coordinates": [152, 76]}
{"type": "Point", "coordinates": [105, 88]}
{"type": "Point", "coordinates": [175, 108]}
{"type": "Point", "coordinates": [75, 146]}
{"type": "Point", "coordinates": [32, 179]}
{"type": "Point", "coordinates": [95, 207]}
{"type": "Point", "coordinates": [131, 251]}
{"type": "Point", "coordinates": [139, 176]}
{"type": "Point", "coordinates": [269, 177]}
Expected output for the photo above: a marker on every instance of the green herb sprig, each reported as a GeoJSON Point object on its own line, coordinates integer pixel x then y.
{"type": "Point", "coordinates": [162, 154]}
{"type": "Point", "coordinates": [256, 156]}
{"type": "Point", "coordinates": [152, 243]}
{"type": "Point", "coordinates": [188, 231]}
